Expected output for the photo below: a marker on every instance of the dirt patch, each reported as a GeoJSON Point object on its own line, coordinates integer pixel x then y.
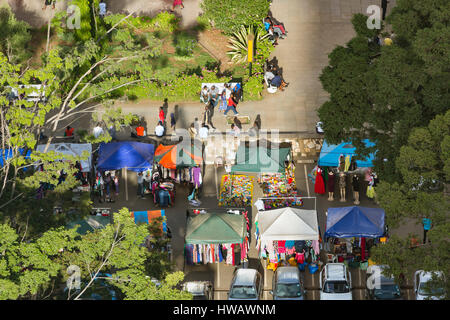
{"type": "Point", "coordinates": [215, 43]}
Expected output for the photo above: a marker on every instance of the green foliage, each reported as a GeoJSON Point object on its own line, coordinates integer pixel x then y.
{"type": "Point", "coordinates": [203, 23]}
{"type": "Point", "coordinates": [230, 15]}
{"type": "Point", "coordinates": [382, 93]}
{"type": "Point", "coordinates": [359, 22]}
{"type": "Point", "coordinates": [32, 268]}
{"type": "Point", "coordinates": [253, 88]}
{"type": "Point", "coordinates": [14, 37]}
{"type": "Point", "coordinates": [166, 22]}
{"type": "Point", "coordinates": [184, 44]}
{"type": "Point", "coordinates": [183, 88]}
{"type": "Point", "coordinates": [239, 42]}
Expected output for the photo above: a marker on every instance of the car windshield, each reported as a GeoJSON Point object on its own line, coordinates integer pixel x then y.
{"type": "Point", "coordinates": [426, 289]}
{"type": "Point", "coordinates": [387, 291]}
{"type": "Point", "coordinates": [288, 290]}
{"type": "Point", "coordinates": [336, 287]}
{"type": "Point", "coordinates": [243, 292]}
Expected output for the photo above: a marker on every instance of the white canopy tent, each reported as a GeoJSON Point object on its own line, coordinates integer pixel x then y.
{"type": "Point", "coordinates": [71, 149]}
{"type": "Point", "coordinates": [288, 224]}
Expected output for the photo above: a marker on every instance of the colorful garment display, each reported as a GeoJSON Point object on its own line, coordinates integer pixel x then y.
{"type": "Point", "coordinates": [236, 191]}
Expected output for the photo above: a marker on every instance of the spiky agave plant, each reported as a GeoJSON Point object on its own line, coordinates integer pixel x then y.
{"type": "Point", "coordinates": [239, 45]}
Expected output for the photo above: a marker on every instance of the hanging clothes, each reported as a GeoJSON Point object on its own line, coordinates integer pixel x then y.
{"type": "Point", "coordinates": [197, 176]}
{"type": "Point", "coordinates": [331, 178]}
{"type": "Point", "coordinates": [315, 246]}
{"type": "Point", "coordinates": [347, 163]}
{"type": "Point", "coordinates": [319, 186]}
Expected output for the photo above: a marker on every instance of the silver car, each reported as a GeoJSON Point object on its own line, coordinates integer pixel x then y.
{"type": "Point", "coordinates": [246, 285]}
{"type": "Point", "coordinates": [287, 284]}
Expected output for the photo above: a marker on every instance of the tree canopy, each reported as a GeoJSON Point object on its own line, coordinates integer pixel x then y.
{"type": "Point", "coordinates": [382, 92]}
{"type": "Point", "coordinates": [115, 254]}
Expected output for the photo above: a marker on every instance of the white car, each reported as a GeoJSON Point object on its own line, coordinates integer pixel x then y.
{"type": "Point", "coordinates": [423, 287]}
{"type": "Point", "coordinates": [335, 282]}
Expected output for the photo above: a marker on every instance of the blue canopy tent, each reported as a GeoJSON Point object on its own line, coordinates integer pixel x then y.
{"type": "Point", "coordinates": [8, 153]}
{"type": "Point", "coordinates": [347, 222]}
{"type": "Point", "coordinates": [135, 156]}
{"type": "Point", "coordinates": [330, 153]}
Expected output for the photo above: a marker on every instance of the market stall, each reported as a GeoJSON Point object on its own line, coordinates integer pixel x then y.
{"type": "Point", "coordinates": [242, 191]}
{"type": "Point", "coordinates": [71, 150]}
{"type": "Point", "coordinates": [179, 163]}
{"type": "Point", "coordinates": [347, 229]}
{"type": "Point", "coordinates": [264, 158]}
{"type": "Point", "coordinates": [132, 155]}
{"type": "Point", "coordinates": [288, 236]}
{"type": "Point", "coordinates": [89, 224]}
{"type": "Point", "coordinates": [280, 189]}
{"type": "Point", "coordinates": [340, 166]}
{"type": "Point", "coordinates": [216, 237]}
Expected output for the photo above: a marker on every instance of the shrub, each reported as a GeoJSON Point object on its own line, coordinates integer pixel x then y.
{"type": "Point", "coordinates": [254, 87]}
{"type": "Point", "coordinates": [165, 21]}
{"type": "Point", "coordinates": [239, 42]}
{"type": "Point", "coordinates": [184, 44]}
{"type": "Point", "coordinates": [229, 15]}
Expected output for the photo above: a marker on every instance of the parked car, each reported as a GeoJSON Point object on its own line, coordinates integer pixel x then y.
{"type": "Point", "coordinates": [335, 282]}
{"type": "Point", "coordinates": [287, 284]}
{"type": "Point", "coordinates": [200, 290]}
{"type": "Point", "coordinates": [427, 289]}
{"type": "Point", "coordinates": [246, 285]}
{"type": "Point", "coordinates": [380, 287]}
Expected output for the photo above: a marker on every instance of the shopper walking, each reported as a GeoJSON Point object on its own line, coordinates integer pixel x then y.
{"type": "Point", "coordinates": [426, 227]}
{"type": "Point", "coordinates": [177, 3]}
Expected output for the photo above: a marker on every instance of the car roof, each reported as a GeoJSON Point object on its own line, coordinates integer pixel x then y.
{"type": "Point", "coordinates": [245, 277]}
{"type": "Point", "coordinates": [287, 274]}
{"type": "Point", "coordinates": [427, 275]}
{"type": "Point", "coordinates": [335, 271]}
{"type": "Point", "coordinates": [195, 287]}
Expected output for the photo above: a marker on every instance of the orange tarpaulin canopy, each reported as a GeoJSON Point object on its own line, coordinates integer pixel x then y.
{"type": "Point", "coordinates": [174, 156]}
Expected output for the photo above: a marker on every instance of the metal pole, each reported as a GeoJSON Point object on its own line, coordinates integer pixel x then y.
{"type": "Point", "coordinates": [126, 183]}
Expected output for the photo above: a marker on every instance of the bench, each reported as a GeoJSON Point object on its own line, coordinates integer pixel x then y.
{"type": "Point", "coordinates": [221, 87]}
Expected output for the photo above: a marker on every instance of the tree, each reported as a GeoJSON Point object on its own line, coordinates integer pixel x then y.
{"type": "Point", "coordinates": [424, 164]}
{"type": "Point", "coordinates": [230, 15]}
{"type": "Point", "coordinates": [381, 93]}
{"type": "Point", "coordinates": [14, 38]}
{"type": "Point", "coordinates": [114, 254]}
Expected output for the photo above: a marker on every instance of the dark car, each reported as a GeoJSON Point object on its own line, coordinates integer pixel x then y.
{"type": "Point", "coordinates": [380, 287]}
{"type": "Point", "coordinates": [246, 285]}
{"type": "Point", "coordinates": [287, 284]}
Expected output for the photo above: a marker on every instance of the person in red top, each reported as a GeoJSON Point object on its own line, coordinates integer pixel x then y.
{"type": "Point", "coordinates": [231, 105]}
{"type": "Point", "coordinates": [68, 132]}
{"type": "Point", "coordinates": [140, 131]}
{"type": "Point", "coordinates": [162, 116]}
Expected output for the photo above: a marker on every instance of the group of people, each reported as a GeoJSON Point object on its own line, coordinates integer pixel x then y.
{"type": "Point", "coordinates": [106, 186]}
{"type": "Point", "coordinates": [275, 29]}
{"type": "Point", "coordinates": [227, 100]}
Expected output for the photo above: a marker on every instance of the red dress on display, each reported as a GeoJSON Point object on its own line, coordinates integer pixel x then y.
{"type": "Point", "coordinates": [319, 186]}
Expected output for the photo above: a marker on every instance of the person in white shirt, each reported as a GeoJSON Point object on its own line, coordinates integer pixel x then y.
{"type": "Point", "coordinates": [159, 130]}
{"type": "Point", "coordinates": [102, 7]}
{"type": "Point", "coordinates": [204, 95]}
{"type": "Point", "coordinates": [203, 132]}
{"type": "Point", "coordinates": [268, 76]}
{"type": "Point", "coordinates": [98, 131]}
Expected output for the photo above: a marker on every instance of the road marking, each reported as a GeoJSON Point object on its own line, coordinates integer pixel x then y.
{"type": "Point", "coordinates": [307, 181]}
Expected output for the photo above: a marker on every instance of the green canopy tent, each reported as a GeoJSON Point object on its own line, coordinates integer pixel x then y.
{"type": "Point", "coordinates": [90, 223]}
{"type": "Point", "coordinates": [261, 157]}
{"type": "Point", "coordinates": [215, 228]}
